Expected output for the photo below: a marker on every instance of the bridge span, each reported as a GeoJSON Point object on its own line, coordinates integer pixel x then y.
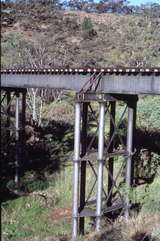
{"type": "Point", "coordinates": [113, 80]}
{"type": "Point", "coordinates": [98, 150]}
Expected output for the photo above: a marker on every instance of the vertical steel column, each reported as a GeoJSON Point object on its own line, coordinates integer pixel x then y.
{"type": "Point", "coordinates": [17, 140]}
{"type": "Point", "coordinates": [100, 166]}
{"type": "Point", "coordinates": [8, 134]}
{"type": "Point", "coordinates": [83, 164]}
{"type": "Point", "coordinates": [23, 121]}
{"type": "Point", "coordinates": [129, 158]}
{"type": "Point", "coordinates": [8, 113]}
{"type": "Point", "coordinates": [134, 105]}
{"type": "Point", "coordinates": [76, 169]}
{"type": "Point", "coordinates": [111, 160]}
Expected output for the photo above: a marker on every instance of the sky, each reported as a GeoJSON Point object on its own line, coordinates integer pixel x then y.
{"type": "Point", "coordinates": [139, 2]}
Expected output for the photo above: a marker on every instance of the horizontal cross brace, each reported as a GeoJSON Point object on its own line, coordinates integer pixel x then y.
{"type": "Point", "coordinates": [114, 208]}
{"type": "Point", "coordinates": [89, 212]}
{"type": "Point", "coordinates": [93, 155]}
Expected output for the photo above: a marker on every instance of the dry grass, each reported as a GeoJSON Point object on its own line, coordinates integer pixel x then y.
{"type": "Point", "coordinates": [142, 224]}
{"type": "Point", "coordinates": [136, 229]}
{"type": "Point", "coordinates": [116, 40]}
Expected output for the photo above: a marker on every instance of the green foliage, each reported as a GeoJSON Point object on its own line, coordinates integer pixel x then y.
{"type": "Point", "coordinates": [148, 196]}
{"type": "Point", "coordinates": [18, 52]}
{"type": "Point", "coordinates": [27, 184]}
{"type": "Point", "coordinates": [87, 24]}
{"type": "Point", "coordinates": [9, 44]}
{"type": "Point", "coordinates": [62, 187]}
{"type": "Point", "coordinates": [59, 111]}
{"type": "Point", "coordinates": [23, 213]}
{"type": "Point", "coordinates": [34, 185]}
{"type": "Point", "coordinates": [151, 201]}
{"type": "Point", "coordinates": [156, 233]}
{"type": "Point", "coordinates": [11, 40]}
{"type": "Point", "coordinates": [31, 215]}
{"type": "Point", "coordinates": [138, 38]}
{"type": "Point", "coordinates": [149, 112]}
{"type": "Point", "coordinates": [87, 28]}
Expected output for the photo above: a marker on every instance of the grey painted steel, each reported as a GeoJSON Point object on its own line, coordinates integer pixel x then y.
{"type": "Point", "coordinates": [8, 122]}
{"type": "Point", "coordinates": [23, 123]}
{"type": "Point", "coordinates": [76, 169]}
{"type": "Point", "coordinates": [129, 158]}
{"type": "Point", "coordinates": [134, 106]}
{"type": "Point", "coordinates": [17, 140]}
{"type": "Point", "coordinates": [100, 165]}
{"type": "Point", "coordinates": [110, 83]}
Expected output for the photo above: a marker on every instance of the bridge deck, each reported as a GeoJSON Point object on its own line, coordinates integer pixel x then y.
{"type": "Point", "coordinates": [114, 80]}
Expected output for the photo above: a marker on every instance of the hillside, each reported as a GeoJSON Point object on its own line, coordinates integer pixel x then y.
{"type": "Point", "coordinates": [39, 37]}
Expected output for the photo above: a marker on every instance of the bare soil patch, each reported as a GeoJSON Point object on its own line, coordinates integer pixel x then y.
{"type": "Point", "coordinates": [62, 215]}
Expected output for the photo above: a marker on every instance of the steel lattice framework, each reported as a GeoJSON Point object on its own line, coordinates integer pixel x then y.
{"type": "Point", "coordinates": [100, 152]}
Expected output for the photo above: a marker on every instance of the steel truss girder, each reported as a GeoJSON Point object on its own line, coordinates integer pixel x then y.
{"type": "Point", "coordinates": [108, 200]}
{"type": "Point", "coordinates": [14, 129]}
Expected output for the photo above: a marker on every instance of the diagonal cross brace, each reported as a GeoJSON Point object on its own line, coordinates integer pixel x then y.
{"type": "Point", "coordinates": [91, 84]}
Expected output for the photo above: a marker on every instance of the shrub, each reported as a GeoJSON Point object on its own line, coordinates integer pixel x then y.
{"type": "Point", "coordinates": [87, 24]}
{"type": "Point", "coordinates": [148, 196]}
{"type": "Point", "coordinates": [151, 201]}
{"type": "Point", "coordinates": [87, 27]}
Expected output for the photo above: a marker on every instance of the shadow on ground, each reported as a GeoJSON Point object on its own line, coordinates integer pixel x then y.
{"type": "Point", "coordinates": [45, 153]}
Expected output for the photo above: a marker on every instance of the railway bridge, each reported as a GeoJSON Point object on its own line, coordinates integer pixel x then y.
{"type": "Point", "coordinates": [105, 87]}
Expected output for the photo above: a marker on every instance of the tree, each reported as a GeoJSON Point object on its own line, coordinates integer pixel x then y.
{"type": "Point", "coordinates": [151, 10]}
{"type": "Point", "coordinates": [56, 4]}
{"type": "Point", "coordinates": [114, 6]}
{"type": "Point", "coordinates": [82, 5]}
